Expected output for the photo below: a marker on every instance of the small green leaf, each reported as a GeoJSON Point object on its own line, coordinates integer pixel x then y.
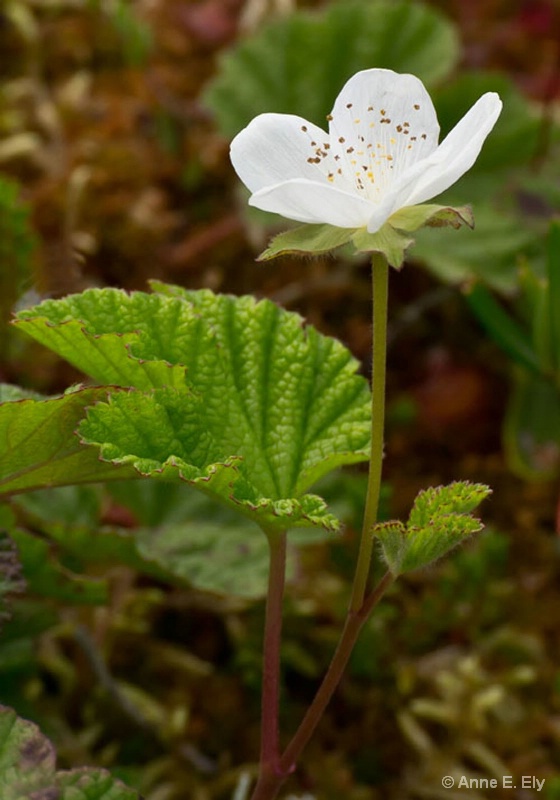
{"type": "Point", "coordinates": [392, 536]}
{"type": "Point", "coordinates": [38, 447]}
{"type": "Point", "coordinates": [426, 545]}
{"type": "Point", "coordinates": [393, 238]}
{"type": "Point", "coordinates": [440, 520]}
{"type": "Point", "coordinates": [28, 771]}
{"type": "Point", "coordinates": [460, 497]}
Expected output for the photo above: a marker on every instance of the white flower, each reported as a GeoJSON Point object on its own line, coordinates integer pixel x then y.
{"type": "Point", "coordinates": [380, 155]}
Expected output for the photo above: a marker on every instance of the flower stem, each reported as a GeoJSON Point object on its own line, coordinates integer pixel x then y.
{"type": "Point", "coordinates": [352, 628]}
{"type": "Point", "coordinates": [270, 749]}
{"type": "Point", "coordinates": [380, 281]}
{"type": "Point", "coordinates": [275, 769]}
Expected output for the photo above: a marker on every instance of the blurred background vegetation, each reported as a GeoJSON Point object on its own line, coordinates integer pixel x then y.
{"type": "Point", "coordinates": [136, 642]}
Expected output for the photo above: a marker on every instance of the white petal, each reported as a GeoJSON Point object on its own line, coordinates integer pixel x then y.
{"type": "Point", "coordinates": [275, 148]}
{"type": "Point", "coordinates": [455, 155]}
{"type": "Point", "coordinates": [309, 201]}
{"type": "Point", "coordinates": [381, 124]}
{"type": "Point", "coordinates": [382, 211]}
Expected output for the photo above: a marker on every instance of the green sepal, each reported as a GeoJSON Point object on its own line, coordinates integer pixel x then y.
{"type": "Point", "coordinates": [440, 520]}
{"type": "Point", "coordinates": [307, 239]}
{"type": "Point", "coordinates": [392, 239]}
{"type": "Point", "coordinates": [411, 218]}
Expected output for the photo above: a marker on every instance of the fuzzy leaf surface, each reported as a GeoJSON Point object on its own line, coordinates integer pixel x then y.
{"type": "Point", "coordinates": [440, 520]}
{"type": "Point", "coordinates": [116, 338]}
{"type": "Point", "coordinates": [237, 397]}
{"type": "Point", "coordinates": [28, 768]}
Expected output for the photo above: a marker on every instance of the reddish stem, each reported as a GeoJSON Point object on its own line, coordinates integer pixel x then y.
{"type": "Point", "coordinates": [270, 748]}
{"type": "Point", "coordinates": [271, 780]}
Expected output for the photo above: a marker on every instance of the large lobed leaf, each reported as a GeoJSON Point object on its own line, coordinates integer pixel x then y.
{"type": "Point", "coordinates": [28, 771]}
{"type": "Point", "coordinates": [234, 396]}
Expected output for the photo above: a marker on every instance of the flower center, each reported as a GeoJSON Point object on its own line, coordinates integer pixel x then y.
{"type": "Point", "coordinates": [371, 147]}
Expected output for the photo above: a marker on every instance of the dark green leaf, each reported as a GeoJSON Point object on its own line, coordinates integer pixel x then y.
{"type": "Point", "coordinates": [28, 771]}
{"type": "Point", "coordinates": [298, 64]}
{"type": "Point", "coordinates": [38, 447]}
{"type": "Point", "coordinates": [502, 327]}
{"type": "Point", "coordinates": [532, 427]}
{"type": "Point", "coordinates": [553, 274]}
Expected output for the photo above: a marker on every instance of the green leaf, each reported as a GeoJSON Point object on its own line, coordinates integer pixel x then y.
{"type": "Point", "coordinates": [28, 771]}
{"type": "Point", "coordinates": [393, 539]}
{"type": "Point", "coordinates": [532, 427]}
{"type": "Point", "coordinates": [491, 255]}
{"type": "Point", "coordinates": [184, 538]}
{"type": "Point", "coordinates": [440, 520]}
{"type": "Point", "coordinates": [247, 404]}
{"type": "Point", "coordinates": [45, 576]}
{"type": "Point", "coordinates": [212, 557]}
{"type": "Point", "coordinates": [165, 435]}
{"type": "Point", "coordinates": [297, 65]}
{"type": "Point", "coordinates": [38, 447]}
{"type": "Point", "coordinates": [553, 274]}
{"type": "Point", "coordinates": [514, 140]}
{"type": "Point", "coordinates": [460, 497]}
{"type": "Point", "coordinates": [426, 545]}
{"type": "Point", "coordinates": [17, 246]}
{"type": "Point", "coordinates": [135, 339]}
{"type": "Point", "coordinates": [505, 331]}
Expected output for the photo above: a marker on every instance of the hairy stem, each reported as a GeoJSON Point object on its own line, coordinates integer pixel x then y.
{"type": "Point", "coordinates": [380, 281]}
{"type": "Point", "coordinates": [270, 749]}
{"type": "Point", "coordinates": [275, 769]}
